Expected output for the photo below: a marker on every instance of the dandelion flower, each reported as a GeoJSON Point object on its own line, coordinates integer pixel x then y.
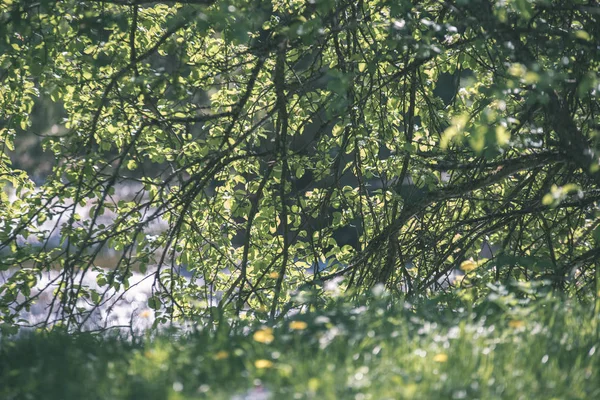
{"type": "Point", "coordinates": [516, 323]}
{"type": "Point", "coordinates": [264, 335]}
{"type": "Point", "coordinates": [221, 355]}
{"type": "Point", "coordinates": [261, 364]}
{"type": "Point", "coordinates": [298, 325]}
{"type": "Point", "coordinates": [441, 358]}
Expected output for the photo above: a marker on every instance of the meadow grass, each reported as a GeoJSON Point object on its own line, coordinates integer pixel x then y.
{"type": "Point", "coordinates": [505, 347]}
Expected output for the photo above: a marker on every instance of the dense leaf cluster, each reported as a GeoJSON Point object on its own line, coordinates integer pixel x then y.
{"type": "Point", "coordinates": [268, 145]}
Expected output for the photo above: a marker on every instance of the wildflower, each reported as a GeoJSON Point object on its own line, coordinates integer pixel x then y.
{"type": "Point", "coordinates": [313, 384]}
{"type": "Point", "coordinates": [261, 364]}
{"type": "Point", "coordinates": [221, 355]}
{"type": "Point", "coordinates": [441, 358]}
{"type": "Point", "coordinates": [298, 325]}
{"type": "Point", "coordinates": [468, 265]}
{"type": "Point", "coordinates": [516, 323]}
{"type": "Point", "coordinates": [264, 335]}
{"type": "Point", "coordinates": [177, 386]}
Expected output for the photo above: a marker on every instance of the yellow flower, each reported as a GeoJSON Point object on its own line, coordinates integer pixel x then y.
{"type": "Point", "coordinates": [274, 275]}
{"type": "Point", "coordinates": [298, 325]}
{"type": "Point", "coordinates": [441, 358]}
{"type": "Point", "coordinates": [221, 355]}
{"type": "Point", "coordinates": [260, 364]}
{"type": "Point", "coordinates": [516, 323]}
{"type": "Point", "coordinates": [468, 265]}
{"type": "Point", "coordinates": [264, 335]}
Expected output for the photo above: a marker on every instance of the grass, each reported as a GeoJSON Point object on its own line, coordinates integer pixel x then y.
{"type": "Point", "coordinates": [506, 347]}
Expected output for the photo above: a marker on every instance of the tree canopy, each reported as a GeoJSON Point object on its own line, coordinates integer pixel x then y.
{"type": "Point", "coordinates": [267, 146]}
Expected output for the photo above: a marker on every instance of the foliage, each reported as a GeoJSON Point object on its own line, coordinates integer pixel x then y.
{"type": "Point", "coordinates": [380, 349]}
{"type": "Point", "coordinates": [275, 140]}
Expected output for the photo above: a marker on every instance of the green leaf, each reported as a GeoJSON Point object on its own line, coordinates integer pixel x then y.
{"type": "Point", "coordinates": [581, 34]}
{"type": "Point", "coordinates": [154, 303]}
